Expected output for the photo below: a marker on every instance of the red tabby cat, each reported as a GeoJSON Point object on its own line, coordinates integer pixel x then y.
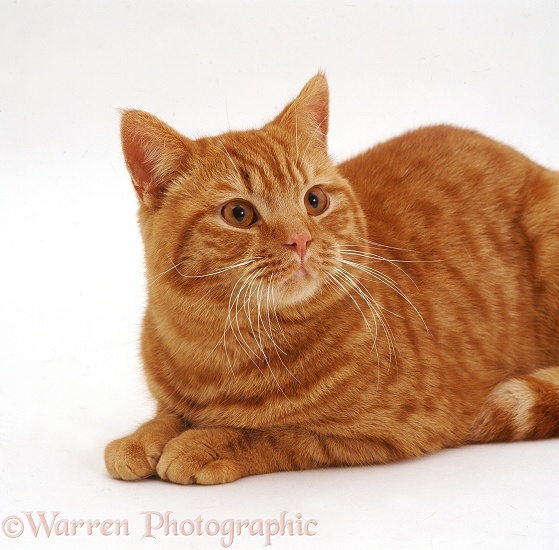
{"type": "Point", "coordinates": [303, 314]}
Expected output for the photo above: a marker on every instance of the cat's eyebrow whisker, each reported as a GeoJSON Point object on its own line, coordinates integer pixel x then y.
{"type": "Point", "coordinates": [230, 158]}
{"type": "Point", "coordinates": [312, 137]}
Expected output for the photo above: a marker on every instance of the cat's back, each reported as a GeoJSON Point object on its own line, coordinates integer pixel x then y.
{"type": "Point", "coordinates": [441, 179]}
{"type": "Point", "coordinates": [437, 161]}
{"type": "Point", "coordinates": [483, 212]}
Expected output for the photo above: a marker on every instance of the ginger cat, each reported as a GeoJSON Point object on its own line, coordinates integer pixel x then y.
{"type": "Point", "coordinates": [302, 314]}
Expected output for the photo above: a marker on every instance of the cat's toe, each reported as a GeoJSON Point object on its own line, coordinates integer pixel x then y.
{"type": "Point", "coordinates": [219, 471]}
{"type": "Point", "coordinates": [126, 459]}
{"type": "Point", "coordinates": [185, 460]}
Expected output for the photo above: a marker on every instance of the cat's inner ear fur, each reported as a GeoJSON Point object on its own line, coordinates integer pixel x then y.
{"type": "Point", "coordinates": [307, 115]}
{"type": "Point", "coordinates": [155, 155]}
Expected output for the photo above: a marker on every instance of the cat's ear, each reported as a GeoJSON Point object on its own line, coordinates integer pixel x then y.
{"type": "Point", "coordinates": [155, 155]}
{"type": "Point", "coordinates": [307, 115]}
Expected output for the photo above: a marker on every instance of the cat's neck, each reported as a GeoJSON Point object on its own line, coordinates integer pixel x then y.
{"type": "Point", "coordinates": [226, 337]}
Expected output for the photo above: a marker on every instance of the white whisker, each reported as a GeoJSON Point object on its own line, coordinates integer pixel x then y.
{"type": "Point", "coordinates": [268, 330]}
{"type": "Point", "coordinates": [275, 308]}
{"type": "Point", "coordinates": [373, 243]}
{"type": "Point", "coordinates": [296, 133]}
{"type": "Point", "coordinates": [339, 283]}
{"type": "Point", "coordinates": [381, 258]}
{"type": "Point", "coordinates": [344, 275]}
{"type": "Point", "coordinates": [230, 158]}
{"type": "Point", "coordinates": [276, 347]}
{"type": "Point", "coordinates": [222, 270]}
{"type": "Point", "coordinates": [234, 324]}
{"type": "Point", "coordinates": [260, 344]}
{"type": "Point", "coordinates": [382, 278]}
{"type": "Point", "coordinates": [312, 137]}
{"type": "Point", "coordinates": [155, 278]}
{"type": "Point", "coordinates": [249, 294]}
{"type": "Point", "coordinates": [175, 266]}
{"type": "Point", "coordinates": [375, 308]}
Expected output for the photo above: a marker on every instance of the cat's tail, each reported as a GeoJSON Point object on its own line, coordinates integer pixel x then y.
{"type": "Point", "coordinates": [526, 407]}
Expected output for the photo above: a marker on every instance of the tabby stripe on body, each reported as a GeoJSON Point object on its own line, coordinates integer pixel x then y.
{"type": "Point", "coordinates": [303, 314]}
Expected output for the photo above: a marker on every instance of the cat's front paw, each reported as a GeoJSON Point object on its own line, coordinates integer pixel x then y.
{"type": "Point", "coordinates": [201, 456]}
{"type": "Point", "coordinates": [135, 456]}
{"type": "Point", "coordinates": [128, 458]}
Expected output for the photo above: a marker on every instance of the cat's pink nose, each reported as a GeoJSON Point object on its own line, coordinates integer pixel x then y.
{"type": "Point", "coordinates": [299, 242]}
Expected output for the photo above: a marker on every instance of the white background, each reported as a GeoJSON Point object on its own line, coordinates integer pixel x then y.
{"type": "Point", "coordinates": [71, 273]}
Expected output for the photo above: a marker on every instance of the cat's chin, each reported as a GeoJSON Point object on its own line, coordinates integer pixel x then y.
{"type": "Point", "coordinates": [298, 287]}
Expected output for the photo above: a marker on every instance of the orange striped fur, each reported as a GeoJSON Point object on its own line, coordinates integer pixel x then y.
{"type": "Point", "coordinates": [302, 314]}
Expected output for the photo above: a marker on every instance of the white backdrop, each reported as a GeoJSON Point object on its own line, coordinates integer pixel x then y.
{"type": "Point", "coordinates": [71, 285]}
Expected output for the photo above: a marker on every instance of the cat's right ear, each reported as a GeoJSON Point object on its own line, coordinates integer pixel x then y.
{"type": "Point", "coordinates": [155, 155]}
{"type": "Point", "coordinates": [307, 115]}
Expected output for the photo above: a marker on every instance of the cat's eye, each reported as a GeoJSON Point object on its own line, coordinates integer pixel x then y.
{"type": "Point", "coordinates": [239, 213]}
{"type": "Point", "coordinates": [316, 201]}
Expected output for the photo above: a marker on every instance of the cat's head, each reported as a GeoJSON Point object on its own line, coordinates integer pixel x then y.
{"type": "Point", "coordinates": [258, 214]}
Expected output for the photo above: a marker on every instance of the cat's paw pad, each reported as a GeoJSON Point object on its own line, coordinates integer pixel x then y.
{"type": "Point", "coordinates": [128, 459]}
{"type": "Point", "coordinates": [190, 458]}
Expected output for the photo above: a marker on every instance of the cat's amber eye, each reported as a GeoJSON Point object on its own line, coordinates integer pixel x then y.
{"type": "Point", "coordinates": [239, 213]}
{"type": "Point", "coordinates": [316, 201]}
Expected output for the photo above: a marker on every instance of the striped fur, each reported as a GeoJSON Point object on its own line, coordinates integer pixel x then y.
{"type": "Point", "coordinates": [421, 310]}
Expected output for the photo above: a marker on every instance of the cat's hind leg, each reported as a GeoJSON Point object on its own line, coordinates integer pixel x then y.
{"type": "Point", "coordinates": [525, 407]}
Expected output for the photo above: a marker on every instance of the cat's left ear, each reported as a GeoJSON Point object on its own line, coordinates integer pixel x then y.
{"type": "Point", "coordinates": [307, 115]}
{"type": "Point", "coordinates": [155, 155]}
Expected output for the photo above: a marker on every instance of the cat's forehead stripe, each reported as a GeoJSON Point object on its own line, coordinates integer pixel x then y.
{"type": "Point", "coordinates": [261, 165]}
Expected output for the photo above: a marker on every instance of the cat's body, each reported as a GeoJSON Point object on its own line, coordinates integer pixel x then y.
{"type": "Point", "coordinates": [296, 320]}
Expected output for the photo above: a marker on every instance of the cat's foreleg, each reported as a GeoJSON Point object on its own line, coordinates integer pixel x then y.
{"type": "Point", "coordinates": [220, 455]}
{"type": "Point", "coordinates": [136, 455]}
